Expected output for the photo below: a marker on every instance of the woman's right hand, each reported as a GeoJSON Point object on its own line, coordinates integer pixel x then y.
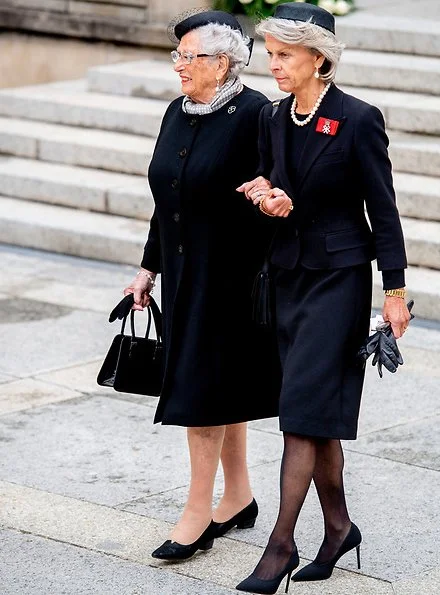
{"type": "Point", "coordinates": [256, 189]}
{"type": "Point", "coordinates": [141, 287]}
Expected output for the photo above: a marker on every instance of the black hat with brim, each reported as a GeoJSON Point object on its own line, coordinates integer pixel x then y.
{"type": "Point", "coordinates": [309, 13]}
{"type": "Point", "coordinates": [204, 18]}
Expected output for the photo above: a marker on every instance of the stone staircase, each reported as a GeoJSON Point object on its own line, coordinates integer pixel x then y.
{"type": "Point", "coordinates": [73, 155]}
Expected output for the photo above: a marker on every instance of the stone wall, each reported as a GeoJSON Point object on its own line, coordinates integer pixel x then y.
{"type": "Point", "coordinates": [138, 22]}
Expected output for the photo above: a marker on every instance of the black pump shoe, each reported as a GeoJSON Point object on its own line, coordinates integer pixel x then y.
{"type": "Point", "coordinates": [171, 550]}
{"type": "Point", "coordinates": [245, 519]}
{"type": "Point", "coordinates": [316, 571]}
{"type": "Point", "coordinates": [253, 584]}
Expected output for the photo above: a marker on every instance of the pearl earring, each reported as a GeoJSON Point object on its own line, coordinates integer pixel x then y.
{"type": "Point", "coordinates": [316, 75]}
{"type": "Point", "coordinates": [217, 87]}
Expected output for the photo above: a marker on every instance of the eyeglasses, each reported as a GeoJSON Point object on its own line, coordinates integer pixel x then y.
{"type": "Point", "coordinates": [187, 57]}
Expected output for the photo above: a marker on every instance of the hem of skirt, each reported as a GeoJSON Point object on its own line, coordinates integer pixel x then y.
{"type": "Point", "coordinates": [314, 431]}
{"type": "Point", "coordinates": [185, 423]}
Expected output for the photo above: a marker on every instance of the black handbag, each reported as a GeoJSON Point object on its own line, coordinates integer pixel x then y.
{"type": "Point", "coordinates": [134, 364]}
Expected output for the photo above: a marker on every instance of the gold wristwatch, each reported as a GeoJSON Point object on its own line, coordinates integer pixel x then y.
{"type": "Point", "coordinates": [395, 293]}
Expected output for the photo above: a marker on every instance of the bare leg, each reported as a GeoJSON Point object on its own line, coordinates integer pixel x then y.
{"type": "Point", "coordinates": [328, 479]}
{"type": "Point", "coordinates": [238, 493]}
{"type": "Point", "coordinates": [204, 450]}
{"type": "Point", "coordinates": [297, 467]}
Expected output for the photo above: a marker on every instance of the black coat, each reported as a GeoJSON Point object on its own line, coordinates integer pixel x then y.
{"type": "Point", "coordinates": [338, 176]}
{"type": "Point", "coordinates": [207, 244]}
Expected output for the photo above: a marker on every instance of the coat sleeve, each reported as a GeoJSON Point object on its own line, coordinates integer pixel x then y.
{"type": "Point", "coordinates": [376, 183]}
{"type": "Point", "coordinates": [264, 143]}
{"type": "Point", "coordinates": [151, 257]}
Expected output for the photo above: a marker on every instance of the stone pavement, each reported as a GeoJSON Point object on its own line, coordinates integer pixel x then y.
{"type": "Point", "coordinates": [89, 486]}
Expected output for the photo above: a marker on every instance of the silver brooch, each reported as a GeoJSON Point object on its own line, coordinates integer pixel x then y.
{"type": "Point", "coordinates": [231, 109]}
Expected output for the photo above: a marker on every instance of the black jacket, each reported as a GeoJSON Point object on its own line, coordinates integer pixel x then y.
{"type": "Point", "coordinates": [338, 176]}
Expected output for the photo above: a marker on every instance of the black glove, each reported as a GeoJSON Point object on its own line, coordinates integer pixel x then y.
{"type": "Point", "coordinates": [384, 346]}
{"type": "Point", "coordinates": [387, 353]}
{"type": "Point", "coordinates": [122, 309]}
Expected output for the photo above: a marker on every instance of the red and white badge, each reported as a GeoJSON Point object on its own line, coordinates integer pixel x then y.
{"type": "Point", "coordinates": [327, 126]}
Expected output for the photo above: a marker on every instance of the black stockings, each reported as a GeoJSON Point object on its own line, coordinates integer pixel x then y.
{"type": "Point", "coordinates": [305, 459]}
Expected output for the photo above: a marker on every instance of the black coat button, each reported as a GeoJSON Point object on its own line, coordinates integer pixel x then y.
{"type": "Point", "coordinates": [183, 152]}
{"type": "Point", "coordinates": [193, 122]}
{"type": "Point", "coordinates": [176, 217]}
{"type": "Point", "coordinates": [180, 249]}
{"type": "Point", "coordinates": [174, 183]}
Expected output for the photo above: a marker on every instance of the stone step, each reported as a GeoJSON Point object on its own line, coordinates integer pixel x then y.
{"type": "Point", "coordinates": [423, 286]}
{"type": "Point", "coordinates": [422, 240]}
{"type": "Point", "coordinates": [389, 33]}
{"type": "Point", "coordinates": [117, 239]}
{"type": "Point", "coordinates": [124, 195]}
{"type": "Point", "coordinates": [414, 153]}
{"type": "Point", "coordinates": [410, 112]}
{"type": "Point", "coordinates": [77, 187]}
{"type": "Point", "coordinates": [71, 104]}
{"type": "Point", "coordinates": [71, 231]}
{"type": "Point", "coordinates": [378, 70]}
{"type": "Point", "coordinates": [417, 196]}
{"type": "Point", "coordinates": [112, 151]}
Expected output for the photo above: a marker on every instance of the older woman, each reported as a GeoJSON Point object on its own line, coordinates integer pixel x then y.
{"type": "Point", "coordinates": [323, 160]}
{"type": "Point", "coordinates": [207, 250]}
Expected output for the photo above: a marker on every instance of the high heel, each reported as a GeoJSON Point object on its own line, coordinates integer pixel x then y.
{"type": "Point", "coordinates": [171, 550]}
{"type": "Point", "coordinates": [245, 519]}
{"type": "Point", "coordinates": [253, 584]}
{"type": "Point", "coordinates": [316, 571]}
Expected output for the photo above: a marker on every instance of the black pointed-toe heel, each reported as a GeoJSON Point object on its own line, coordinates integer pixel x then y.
{"type": "Point", "coordinates": [253, 584]}
{"type": "Point", "coordinates": [316, 571]}
{"type": "Point", "coordinates": [171, 550]}
{"type": "Point", "coordinates": [245, 519]}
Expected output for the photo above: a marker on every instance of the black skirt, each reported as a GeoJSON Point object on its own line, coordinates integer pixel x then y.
{"type": "Point", "coordinates": [323, 318]}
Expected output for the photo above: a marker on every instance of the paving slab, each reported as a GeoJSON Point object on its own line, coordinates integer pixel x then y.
{"type": "Point", "coordinates": [79, 458]}
{"type": "Point", "coordinates": [34, 565]}
{"type": "Point", "coordinates": [28, 393]}
{"type": "Point", "coordinates": [416, 442]}
{"type": "Point", "coordinates": [377, 492]}
{"type": "Point", "coordinates": [425, 583]}
{"type": "Point", "coordinates": [133, 537]}
{"type": "Point", "coordinates": [71, 338]}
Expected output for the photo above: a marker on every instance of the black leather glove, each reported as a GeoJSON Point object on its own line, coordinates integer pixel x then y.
{"type": "Point", "coordinates": [122, 309]}
{"type": "Point", "coordinates": [387, 353]}
{"type": "Point", "coordinates": [383, 345]}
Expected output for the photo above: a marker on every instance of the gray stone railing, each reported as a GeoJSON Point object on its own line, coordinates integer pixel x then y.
{"type": "Point", "coordinates": [139, 22]}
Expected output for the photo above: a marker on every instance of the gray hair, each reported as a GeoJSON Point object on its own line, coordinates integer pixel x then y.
{"type": "Point", "coordinates": [317, 39]}
{"type": "Point", "coordinates": [222, 39]}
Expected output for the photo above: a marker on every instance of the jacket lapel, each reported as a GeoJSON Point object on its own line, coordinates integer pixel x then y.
{"type": "Point", "coordinates": [316, 142]}
{"type": "Point", "coordinates": [279, 143]}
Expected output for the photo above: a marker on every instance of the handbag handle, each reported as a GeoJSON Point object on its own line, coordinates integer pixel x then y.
{"type": "Point", "coordinates": [124, 307]}
{"type": "Point", "coordinates": [153, 312]}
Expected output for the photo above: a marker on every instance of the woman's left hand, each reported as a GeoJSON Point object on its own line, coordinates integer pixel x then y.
{"type": "Point", "coordinates": [277, 203]}
{"type": "Point", "coordinates": [396, 312]}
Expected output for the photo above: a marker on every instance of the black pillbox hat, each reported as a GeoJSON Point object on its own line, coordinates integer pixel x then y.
{"type": "Point", "coordinates": [300, 11]}
{"type": "Point", "coordinates": [204, 18]}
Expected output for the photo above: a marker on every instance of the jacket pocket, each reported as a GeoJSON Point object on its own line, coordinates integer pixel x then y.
{"type": "Point", "coordinates": [334, 156]}
{"type": "Point", "coordinates": [347, 240]}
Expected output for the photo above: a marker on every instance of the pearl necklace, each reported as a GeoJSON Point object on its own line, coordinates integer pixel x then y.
{"type": "Point", "coordinates": [314, 109]}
